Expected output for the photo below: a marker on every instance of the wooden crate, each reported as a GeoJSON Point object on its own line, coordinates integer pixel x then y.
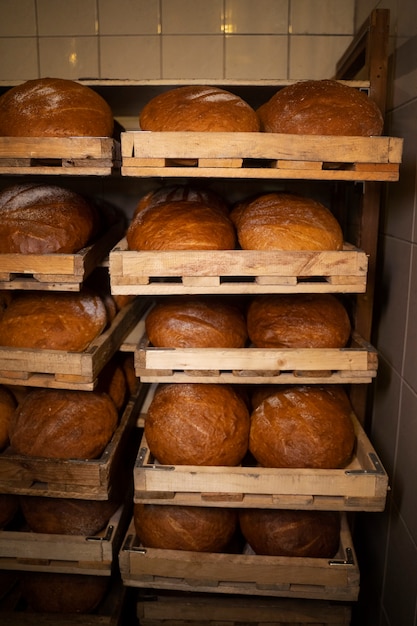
{"type": "Point", "coordinates": [361, 486]}
{"type": "Point", "coordinates": [357, 363]}
{"type": "Point", "coordinates": [168, 272]}
{"type": "Point", "coordinates": [95, 479]}
{"type": "Point", "coordinates": [78, 156]}
{"type": "Point", "coordinates": [69, 370]}
{"type": "Point", "coordinates": [260, 155]}
{"type": "Point", "coordinates": [65, 554]}
{"type": "Point", "coordinates": [15, 612]}
{"type": "Point", "coordinates": [246, 574]}
{"type": "Point", "coordinates": [57, 272]}
{"type": "Point", "coordinates": [194, 609]}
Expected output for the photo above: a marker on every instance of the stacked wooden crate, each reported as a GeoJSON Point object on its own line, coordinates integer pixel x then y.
{"type": "Point", "coordinates": [22, 550]}
{"type": "Point", "coordinates": [363, 484]}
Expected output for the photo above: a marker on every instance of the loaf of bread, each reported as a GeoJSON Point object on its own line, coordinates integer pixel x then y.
{"type": "Point", "coordinates": [181, 225]}
{"type": "Point", "coordinates": [193, 528]}
{"type": "Point", "coordinates": [54, 107]}
{"type": "Point", "coordinates": [298, 321]}
{"type": "Point", "coordinates": [183, 193]}
{"type": "Point", "coordinates": [196, 322]}
{"type": "Point", "coordinates": [321, 107]}
{"type": "Point", "coordinates": [52, 320]}
{"type": "Point", "coordinates": [197, 424]}
{"type": "Point", "coordinates": [63, 424]}
{"type": "Point", "coordinates": [66, 516]}
{"type": "Point", "coordinates": [9, 506]}
{"type": "Point", "coordinates": [303, 426]}
{"type": "Point", "coordinates": [7, 408]}
{"type": "Point", "coordinates": [285, 221]}
{"type": "Point", "coordinates": [198, 108]}
{"type": "Point", "coordinates": [52, 592]}
{"type": "Point", "coordinates": [43, 219]}
{"type": "Point", "coordinates": [282, 532]}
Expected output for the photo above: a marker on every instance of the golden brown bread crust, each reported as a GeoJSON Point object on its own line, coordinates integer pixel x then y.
{"type": "Point", "coordinates": [7, 408]}
{"type": "Point", "coordinates": [303, 426]}
{"type": "Point", "coordinates": [196, 322]}
{"type": "Point", "coordinates": [54, 107]}
{"type": "Point", "coordinates": [173, 193]}
{"type": "Point", "coordinates": [313, 534]}
{"type": "Point", "coordinates": [47, 592]}
{"type": "Point", "coordinates": [57, 423]}
{"type": "Point", "coordinates": [298, 321]}
{"type": "Point", "coordinates": [53, 320]}
{"type": "Point", "coordinates": [197, 424]}
{"type": "Point", "coordinates": [321, 107]}
{"type": "Point", "coordinates": [181, 225]}
{"type": "Point", "coordinates": [200, 529]}
{"type": "Point", "coordinates": [42, 219]}
{"type": "Point", "coordinates": [198, 108]}
{"type": "Point", "coordinates": [284, 221]}
{"type": "Point", "coordinates": [66, 516]}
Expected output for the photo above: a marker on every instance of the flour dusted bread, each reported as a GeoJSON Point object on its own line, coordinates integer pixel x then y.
{"type": "Point", "coordinates": [298, 321]}
{"type": "Point", "coordinates": [51, 592]}
{"type": "Point", "coordinates": [66, 516]}
{"type": "Point", "coordinates": [199, 529]}
{"type": "Point", "coordinates": [173, 193]}
{"type": "Point", "coordinates": [282, 532]}
{"type": "Point", "coordinates": [53, 320]}
{"type": "Point", "coordinates": [181, 225]}
{"type": "Point", "coordinates": [196, 322]}
{"type": "Point", "coordinates": [321, 107]}
{"type": "Point", "coordinates": [7, 408]}
{"type": "Point", "coordinates": [63, 424]}
{"type": "Point", "coordinates": [198, 108]}
{"type": "Point", "coordinates": [284, 221]}
{"type": "Point", "coordinates": [303, 426]}
{"type": "Point", "coordinates": [54, 107]}
{"type": "Point", "coordinates": [43, 219]}
{"type": "Point", "coordinates": [197, 424]}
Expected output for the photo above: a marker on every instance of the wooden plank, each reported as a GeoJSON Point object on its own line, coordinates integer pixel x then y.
{"type": "Point", "coordinates": [72, 370]}
{"type": "Point", "coordinates": [236, 271]}
{"type": "Point", "coordinates": [362, 485]}
{"type": "Point", "coordinates": [94, 479]}
{"type": "Point", "coordinates": [246, 574]}
{"type": "Point", "coordinates": [59, 271]}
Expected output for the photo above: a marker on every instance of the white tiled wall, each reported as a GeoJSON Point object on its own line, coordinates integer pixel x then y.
{"type": "Point", "coordinates": [173, 39]}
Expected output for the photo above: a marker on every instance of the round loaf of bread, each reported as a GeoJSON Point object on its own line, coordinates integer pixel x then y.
{"type": "Point", "coordinates": [282, 532]}
{"type": "Point", "coordinates": [183, 193]}
{"type": "Point", "coordinates": [321, 107]}
{"type": "Point", "coordinates": [181, 225]}
{"type": "Point", "coordinates": [298, 321]}
{"type": "Point", "coordinates": [198, 108]}
{"type": "Point", "coordinates": [7, 408]}
{"type": "Point", "coordinates": [303, 426]}
{"type": "Point", "coordinates": [53, 320]}
{"type": "Point", "coordinates": [197, 424]}
{"type": "Point", "coordinates": [196, 322]}
{"type": "Point", "coordinates": [43, 219]}
{"type": "Point", "coordinates": [284, 221]}
{"type": "Point", "coordinates": [9, 506]}
{"type": "Point", "coordinates": [66, 516]}
{"type": "Point", "coordinates": [63, 424]}
{"type": "Point", "coordinates": [51, 592]}
{"type": "Point", "coordinates": [194, 528]}
{"type": "Point", "coordinates": [54, 107]}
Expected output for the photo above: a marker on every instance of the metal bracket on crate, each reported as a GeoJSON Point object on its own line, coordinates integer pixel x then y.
{"type": "Point", "coordinates": [348, 561]}
{"type": "Point", "coordinates": [378, 469]}
{"type": "Point", "coordinates": [141, 459]}
{"type": "Point", "coordinates": [106, 537]}
{"type": "Point", "coordinates": [132, 543]}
